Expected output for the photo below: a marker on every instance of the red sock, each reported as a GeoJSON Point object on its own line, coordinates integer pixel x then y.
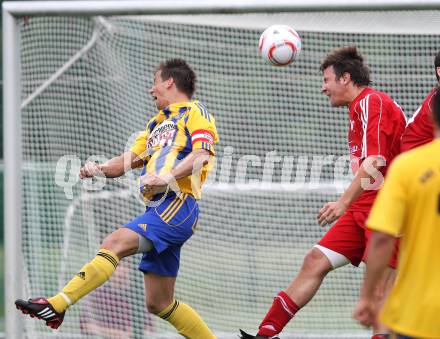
{"type": "Point", "coordinates": [283, 309]}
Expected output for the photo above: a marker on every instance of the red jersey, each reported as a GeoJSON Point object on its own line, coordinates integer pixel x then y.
{"type": "Point", "coordinates": [376, 126]}
{"type": "Point", "coordinates": [420, 128]}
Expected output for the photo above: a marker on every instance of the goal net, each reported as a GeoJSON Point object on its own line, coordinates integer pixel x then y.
{"type": "Point", "coordinates": [281, 156]}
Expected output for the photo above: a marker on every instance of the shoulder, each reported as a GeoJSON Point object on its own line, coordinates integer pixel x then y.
{"type": "Point", "coordinates": [379, 97]}
{"type": "Point", "coordinates": [197, 108]}
{"type": "Point", "coordinates": [152, 122]}
{"type": "Point", "coordinates": [370, 105]}
{"type": "Point", "coordinates": [384, 104]}
{"type": "Point", "coordinates": [370, 100]}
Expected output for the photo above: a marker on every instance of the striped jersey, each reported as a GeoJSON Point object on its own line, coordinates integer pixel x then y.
{"type": "Point", "coordinates": [420, 128]}
{"type": "Point", "coordinates": [171, 135]}
{"type": "Point", "coordinates": [376, 126]}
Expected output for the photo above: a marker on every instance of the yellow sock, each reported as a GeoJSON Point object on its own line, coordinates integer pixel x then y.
{"type": "Point", "coordinates": [186, 321]}
{"type": "Point", "coordinates": [91, 276]}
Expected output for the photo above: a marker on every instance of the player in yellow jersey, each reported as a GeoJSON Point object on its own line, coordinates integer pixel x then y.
{"type": "Point", "coordinates": [408, 206]}
{"type": "Point", "coordinates": [175, 152]}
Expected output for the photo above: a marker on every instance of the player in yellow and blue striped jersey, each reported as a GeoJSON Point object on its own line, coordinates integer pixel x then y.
{"type": "Point", "coordinates": [175, 152]}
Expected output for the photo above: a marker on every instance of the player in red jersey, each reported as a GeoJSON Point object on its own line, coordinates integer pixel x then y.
{"type": "Point", "coordinates": [376, 126]}
{"type": "Point", "coordinates": [420, 128]}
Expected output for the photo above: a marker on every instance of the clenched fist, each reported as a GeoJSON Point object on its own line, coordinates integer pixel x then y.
{"type": "Point", "coordinates": [90, 169]}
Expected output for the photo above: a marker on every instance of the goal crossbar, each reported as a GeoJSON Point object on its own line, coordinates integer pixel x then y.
{"type": "Point", "coordinates": [203, 7]}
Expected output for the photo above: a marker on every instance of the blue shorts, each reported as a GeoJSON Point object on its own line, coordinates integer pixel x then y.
{"type": "Point", "coordinates": [168, 226]}
{"type": "Point", "coordinates": [401, 336]}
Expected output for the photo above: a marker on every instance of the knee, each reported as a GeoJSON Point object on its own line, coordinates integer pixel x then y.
{"type": "Point", "coordinates": [316, 263]}
{"type": "Point", "coordinates": [122, 242]}
{"type": "Point", "coordinates": [111, 243]}
{"type": "Point", "coordinates": [153, 308]}
{"type": "Point", "coordinates": [116, 244]}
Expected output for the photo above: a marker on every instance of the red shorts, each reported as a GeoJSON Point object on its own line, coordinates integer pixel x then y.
{"type": "Point", "coordinates": [349, 237]}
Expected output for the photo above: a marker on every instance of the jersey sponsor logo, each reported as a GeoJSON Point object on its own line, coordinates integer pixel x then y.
{"type": "Point", "coordinates": [202, 135]}
{"type": "Point", "coordinates": [162, 135]}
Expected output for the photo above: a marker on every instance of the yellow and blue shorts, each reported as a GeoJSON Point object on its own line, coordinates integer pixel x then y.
{"type": "Point", "coordinates": [168, 226]}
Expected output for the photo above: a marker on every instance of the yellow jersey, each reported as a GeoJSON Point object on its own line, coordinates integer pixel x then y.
{"type": "Point", "coordinates": [409, 206]}
{"type": "Point", "coordinates": [171, 135]}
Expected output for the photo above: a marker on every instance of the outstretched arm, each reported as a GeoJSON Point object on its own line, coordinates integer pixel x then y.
{"type": "Point", "coordinates": [113, 168]}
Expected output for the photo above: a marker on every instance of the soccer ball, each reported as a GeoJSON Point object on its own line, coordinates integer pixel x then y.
{"type": "Point", "coordinates": [279, 45]}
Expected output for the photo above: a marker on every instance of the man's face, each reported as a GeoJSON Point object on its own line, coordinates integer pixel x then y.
{"type": "Point", "coordinates": [333, 88]}
{"type": "Point", "coordinates": [437, 70]}
{"type": "Point", "coordinates": [160, 89]}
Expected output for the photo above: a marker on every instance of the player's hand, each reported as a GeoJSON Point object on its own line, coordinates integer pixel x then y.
{"type": "Point", "coordinates": [366, 312]}
{"type": "Point", "coordinates": [330, 212]}
{"type": "Point", "coordinates": [90, 169]}
{"type": "Point", "coordinates": [153, 184]}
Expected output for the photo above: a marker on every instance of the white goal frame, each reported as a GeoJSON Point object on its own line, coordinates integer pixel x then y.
{"type": "Point", "coordinates": [13, 163]}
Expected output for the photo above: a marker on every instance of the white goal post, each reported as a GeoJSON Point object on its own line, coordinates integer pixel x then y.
{"type": "Point", "coordinates": [313, 18]}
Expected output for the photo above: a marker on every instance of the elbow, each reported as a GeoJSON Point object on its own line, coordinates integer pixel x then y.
{"type": "Point", "coordinates": [382, 242]}
{"type": "Point", "coordinates": [202, 157]}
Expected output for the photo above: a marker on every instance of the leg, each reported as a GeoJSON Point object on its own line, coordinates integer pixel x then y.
{"type": "Point", "coordinates": [162, 265]}
{"type": "Point", "coordinates": [117, 245]}
{"type": "Point", "coordinates": [122, 242]}
{"type": "Point", "coordinates": [300, 291]}
{"type": "Point", "coordinates": [313, 271]}
{"type": "Point", "coordinates": [159, 294]}
{"type": "Point", "coordinates": [342, 244]}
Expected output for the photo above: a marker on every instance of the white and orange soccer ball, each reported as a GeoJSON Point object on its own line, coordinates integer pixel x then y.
{"type": "Point", "coordinates": [279, 45]}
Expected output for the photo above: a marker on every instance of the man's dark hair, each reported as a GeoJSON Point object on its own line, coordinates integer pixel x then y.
{"type": "Point", "coordinates": [347, 60]}
{"type": "Point", "coordinates": [436, 108]}
{"type": "Point", "coordinates": [437, 64]}
{"type": "Point", "coordinates": [182, 74]}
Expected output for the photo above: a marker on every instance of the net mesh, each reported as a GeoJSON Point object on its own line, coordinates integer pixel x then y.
{"type": "Point", "coordinates": [85, 92]}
